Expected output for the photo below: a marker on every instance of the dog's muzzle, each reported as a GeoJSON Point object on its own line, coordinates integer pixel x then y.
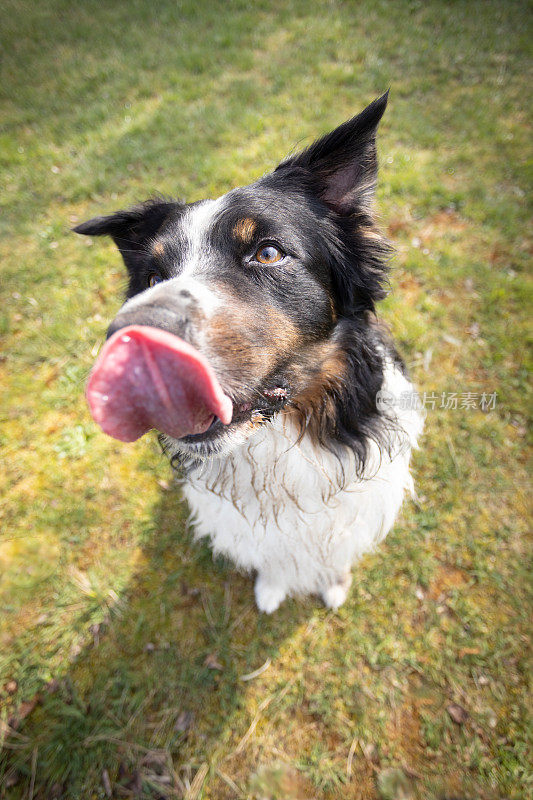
{"type": "Point", "coordinates": [150, 375]}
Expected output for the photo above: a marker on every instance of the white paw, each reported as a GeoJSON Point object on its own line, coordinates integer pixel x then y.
{"type": "Point", "coordinates": [335, 595]}
{"type": "Point", "coordinates": [268, 596]}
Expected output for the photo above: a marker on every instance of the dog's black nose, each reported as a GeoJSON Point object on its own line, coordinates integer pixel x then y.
{"type": "Point", "coordinates": [173, 320]}
{"type": "Point", "coordinates": [170, 305]}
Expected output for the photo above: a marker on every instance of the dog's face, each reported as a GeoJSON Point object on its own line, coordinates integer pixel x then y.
{"type": "Point", "coordinates": [259, 280]}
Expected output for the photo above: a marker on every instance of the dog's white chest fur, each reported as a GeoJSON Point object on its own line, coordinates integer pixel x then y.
{"type": "Point", "coordinates": [296, 513]}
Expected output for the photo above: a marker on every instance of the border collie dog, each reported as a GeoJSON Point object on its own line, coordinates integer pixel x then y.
{"type": "Point", "coordinates": [249, 340]}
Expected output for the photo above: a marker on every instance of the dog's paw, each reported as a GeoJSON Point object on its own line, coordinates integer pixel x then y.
{"type": "Point", "coordinates": [335, 595]}
{"type": "Point", "coordinates": [268, 596]}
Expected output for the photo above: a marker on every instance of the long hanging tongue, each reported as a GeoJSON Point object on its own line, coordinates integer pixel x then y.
{"type": "Point", "coordinates": [147, 378]}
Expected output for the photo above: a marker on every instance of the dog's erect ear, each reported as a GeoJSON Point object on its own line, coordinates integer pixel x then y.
{"type": "Point", "coordinates": [344, 161]}
{"type": "Point", "coordinates": [130, 229]}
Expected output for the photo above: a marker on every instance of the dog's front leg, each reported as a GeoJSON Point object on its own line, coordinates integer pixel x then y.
{"type": "Point", "coordinates": [268, 594]}
{"type": "Point", "coordinates": [335, 594]}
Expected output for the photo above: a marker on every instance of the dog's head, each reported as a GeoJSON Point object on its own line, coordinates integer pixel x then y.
{"type": "Point", "coordinates": [250, 297]}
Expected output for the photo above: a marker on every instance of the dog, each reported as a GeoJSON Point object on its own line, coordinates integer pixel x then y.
{"type": "Point", "coordinates": [249, 340]}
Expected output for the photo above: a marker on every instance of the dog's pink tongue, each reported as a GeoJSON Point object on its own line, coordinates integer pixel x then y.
{"type": "Point", "coordinates": [147, 378]}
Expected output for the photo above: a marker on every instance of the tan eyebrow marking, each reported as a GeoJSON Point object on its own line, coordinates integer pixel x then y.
{"type": "Point", "coordinates": [158, 249]}
{"type": "Point", "coordinates": [244, 229]}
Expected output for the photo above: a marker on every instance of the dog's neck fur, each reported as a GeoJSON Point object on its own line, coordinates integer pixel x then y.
{"type": "Point", "coordinates": [297, 512]}
{"type": "Point", "coordinates": [263, 461]}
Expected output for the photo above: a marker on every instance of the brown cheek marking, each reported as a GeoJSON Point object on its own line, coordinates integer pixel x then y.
{"type": "Point", "coordinates": [245, 344]}
{"type": "Point", "coordinates": [244, 229]}
{"type": "Point", "coordinates": [284, 336]}
{"type": "Point", "coordinates": [158, 249]}
{"type": "Point", "coordinates": [316, 402]}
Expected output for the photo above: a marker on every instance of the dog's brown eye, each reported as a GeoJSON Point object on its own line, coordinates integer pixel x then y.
{"type": "Point", "coordinates": [268, 254]}
{"type": "Point", "coordinates": [153, 279]}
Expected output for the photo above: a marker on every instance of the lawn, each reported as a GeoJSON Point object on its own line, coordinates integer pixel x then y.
{"type": "Point", "coordinates": [131, 665]}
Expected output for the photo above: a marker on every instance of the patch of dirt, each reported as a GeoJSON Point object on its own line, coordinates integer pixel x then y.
{"type": "Point", "coordinates": [399, 225]}
{"type": "Point", "coordinates": [404, 729]}
{"type": "Point", "coordinates": [409, 287]}
{"type": "Point", "coordinates": [448, 577]}
{"type": "Point", "coordinates": [445, 221]}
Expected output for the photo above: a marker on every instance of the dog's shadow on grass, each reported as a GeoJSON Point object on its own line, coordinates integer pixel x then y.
{"type": "Point", "coordinates": [159, 691]}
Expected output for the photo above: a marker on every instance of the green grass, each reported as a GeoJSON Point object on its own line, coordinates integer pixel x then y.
{"type": "Point", "coordinates": [122, 645]}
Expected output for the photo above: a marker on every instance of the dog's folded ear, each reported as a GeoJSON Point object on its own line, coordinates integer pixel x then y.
{"type": "Point", "coordinates": [344, 162]}
{"type": "Point", "coordinates": [132, 228]}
